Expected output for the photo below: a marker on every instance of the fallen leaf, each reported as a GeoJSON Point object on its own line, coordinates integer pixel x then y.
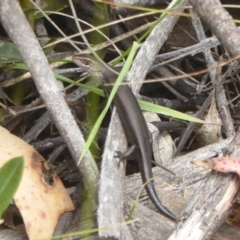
{"type": "Point", "coordinates": [221, 164]}
{"type": "Point", "coordinates": [41, 196]}
{"type": "Point", "coordinates": [210, 133]}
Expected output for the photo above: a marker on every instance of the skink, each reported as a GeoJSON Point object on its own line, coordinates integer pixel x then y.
{"type": "Point", "coordinates": [132, 120]}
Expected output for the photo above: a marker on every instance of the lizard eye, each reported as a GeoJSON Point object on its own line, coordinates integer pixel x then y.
{"type": "Point", "coordinates": [86, 62]}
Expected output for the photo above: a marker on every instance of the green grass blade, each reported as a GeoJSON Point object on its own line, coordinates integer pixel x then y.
{"type": "Point", "coordinates": [84, 86]}
{"type": "Point", "coordinates": [151, 107]}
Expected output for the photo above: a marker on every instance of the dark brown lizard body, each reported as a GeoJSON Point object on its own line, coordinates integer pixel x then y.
{"type": "Point", "coordinates": [133, 123]}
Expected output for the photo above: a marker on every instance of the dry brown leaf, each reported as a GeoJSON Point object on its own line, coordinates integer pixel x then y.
{"type": "Point", "coordinates": [210, 133]}
{"type": "Point", "coordinates": [221, 164]}
{"type": "Point", "coordinates": [41, 196]}
{"type": "Point", "coordinates": [225, 165]}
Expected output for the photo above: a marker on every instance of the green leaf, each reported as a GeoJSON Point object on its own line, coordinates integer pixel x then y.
{"type": "Point", "coordinates": [8, 53]}
{"type": "Point", "coordinates": [10, 177]}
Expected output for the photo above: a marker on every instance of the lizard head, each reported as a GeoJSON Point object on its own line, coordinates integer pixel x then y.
{"type": "Point", "coordinates": [87, 62]}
